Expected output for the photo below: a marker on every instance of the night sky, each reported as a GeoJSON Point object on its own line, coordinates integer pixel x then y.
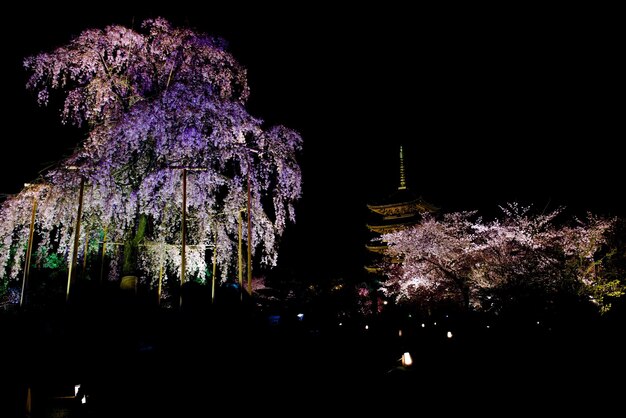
{"type": "Point", "coordinates": [490, 105]}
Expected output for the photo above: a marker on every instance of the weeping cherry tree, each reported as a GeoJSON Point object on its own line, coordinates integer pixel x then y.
{"type": "Point", "coordinates": [168, 138]}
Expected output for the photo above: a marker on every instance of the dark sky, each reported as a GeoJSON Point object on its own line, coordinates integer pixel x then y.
{"type": "Point", "coordinates": [490, 105]}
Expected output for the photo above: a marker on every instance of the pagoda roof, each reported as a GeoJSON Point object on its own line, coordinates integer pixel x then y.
{"type": "Point", "coordinates": [393, 223]}
{"type": "Point", "coordinates": [373, 270]}
{"type": "Point", "coordinates": [403, 200]}
{"type": "Point", "coordinates": [380, 248]}
{"type": "Point", "coordinates": [386, 228]}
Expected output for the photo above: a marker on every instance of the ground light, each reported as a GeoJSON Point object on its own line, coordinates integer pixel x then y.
{"type": "Point", "coordinates": [406, 359]}
{"type": "Point", "coordinates": [76, 390]}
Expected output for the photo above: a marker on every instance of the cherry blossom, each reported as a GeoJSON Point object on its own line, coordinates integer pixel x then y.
{"type": "Point", "coordinates": [155, 102]}
{"type": "Point", "coordinates": [462, 257]}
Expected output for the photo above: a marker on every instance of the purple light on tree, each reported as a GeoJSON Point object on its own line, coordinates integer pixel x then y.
{"type": "Point", "coordinates": [152, 101]}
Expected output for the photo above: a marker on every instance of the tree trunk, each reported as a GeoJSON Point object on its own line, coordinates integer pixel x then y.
{"type": "Point", "coordinates": [131, 248]}
{"type": "Point", "coordinates": [465, 295]}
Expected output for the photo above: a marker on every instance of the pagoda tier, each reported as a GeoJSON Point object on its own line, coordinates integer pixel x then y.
{"type": "Point", "coordinates": [386, 229]}
{"type": "Point", "coordinates": [380, 248]}
{"type": "Point", "coordinates": [402, 204]}
{"type": "Point", "coordinates": [391, 224]}
{"type": "Point", "coordinates": [399, 211]}
{"type": "Point", "coordinates": [372, 270]}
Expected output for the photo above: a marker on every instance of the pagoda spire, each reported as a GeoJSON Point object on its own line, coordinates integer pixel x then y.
{"type": "Point", "coordinates": [402, 178]}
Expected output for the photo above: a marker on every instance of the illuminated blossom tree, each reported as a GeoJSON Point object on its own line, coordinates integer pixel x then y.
{"type": "Point", "coordinates": [462, 257]}
{"type": "Point", "coordinates": [160, 105]}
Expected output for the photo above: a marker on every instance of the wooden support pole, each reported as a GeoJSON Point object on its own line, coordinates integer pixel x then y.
{"type": "Point", "coordinates": [214, 268]}
{"type": "Point", "coordinates": [104, 250]}
{"type": "Point", "coordinates": [240, 259]}
{"type": "Point", "coordinates": [29, 250]}
{"type": "Point", "coordinates": [79, 214]}
{"type": "Point", "coordinates": [249, 239]}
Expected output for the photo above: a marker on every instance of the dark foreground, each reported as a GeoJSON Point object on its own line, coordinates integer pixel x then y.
{"type": "Point", "coordinates": [144, 364]}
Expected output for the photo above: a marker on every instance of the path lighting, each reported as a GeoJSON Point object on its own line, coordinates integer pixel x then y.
{"type": "Point", "coordinates": [83, 400]}
{"type": "Point", "coordinates": [406, 359]}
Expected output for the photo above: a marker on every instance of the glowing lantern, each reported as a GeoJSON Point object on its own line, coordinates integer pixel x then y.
{"type": "Point", "coordinates": [406, 359]}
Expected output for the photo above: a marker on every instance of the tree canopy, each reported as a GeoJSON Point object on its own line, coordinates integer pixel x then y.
{"type": "Point", "coordinates": [486, 265]}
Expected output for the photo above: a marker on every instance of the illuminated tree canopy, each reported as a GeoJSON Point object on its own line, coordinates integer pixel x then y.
{"type": "Point", "coordinates": [461, 257]}
{"type": "Point", "coordinates": [154, 102]}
